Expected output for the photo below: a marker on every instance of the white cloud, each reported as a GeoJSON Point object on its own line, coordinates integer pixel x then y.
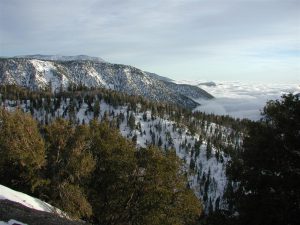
{"type": "Point", "coordinates": [241, 99]}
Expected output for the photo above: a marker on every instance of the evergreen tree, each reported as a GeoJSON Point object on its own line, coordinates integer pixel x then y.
{"type": "Point", "coordinates": [69, 163]}
{"type": "Point", "coordinates": [111, 187]}
{"type": "Point", "coordinates": [208, 149]}
{"type": "Point", "coordinates": [131, 121]}
{"type": "Point", "coordinates": [159, 142]}
{"type": "Point", "coordinates": [145, 116]}
{"type": "Point", "coordinates": [192, 164]}
{"type": "Point", "coordinates": [96, 109]}
{"type": "Point", "coordinates": [161, 195]}
{"type": "Point", "coordinates": [22, 151]}
{"type": "Point", "coordinates": [268, 172]}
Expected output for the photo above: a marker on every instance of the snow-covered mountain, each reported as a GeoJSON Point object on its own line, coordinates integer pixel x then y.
{"type": "Point", "coordinates": [56, 72]}
{"type": "Point", "coordinates": [61, 58]}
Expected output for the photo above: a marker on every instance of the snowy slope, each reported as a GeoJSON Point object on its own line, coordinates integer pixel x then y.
{"type": "Point", "coordinates": [17, 208]}
{"type": "Point", "coordinates": [12, 222]}
{"type": "Point", "coordinates": [26, 200]}
{"type": "Point", "coordinates": [207, 178]}
{"type": "Point", "coordinates": [37, 73]}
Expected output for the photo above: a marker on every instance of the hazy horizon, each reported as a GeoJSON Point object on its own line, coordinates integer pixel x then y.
{"type": "Point", "coordinates": [245, 40]}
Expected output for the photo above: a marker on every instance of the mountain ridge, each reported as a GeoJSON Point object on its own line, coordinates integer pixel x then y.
{"type": "Point", "coordinates": [61, 57]}
{"type": "Point", "coordinates": [60, 74]}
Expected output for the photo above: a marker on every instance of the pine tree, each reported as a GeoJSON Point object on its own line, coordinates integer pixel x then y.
{"type": "Point", "coordinates": [96, 109]}
{"type": "Point", "coordinates": [192, 164]}
{"type": "Point", "coordinates": [162, 196]}
{"type": "Point", "coordinates": [208, 149]}
{"type": "Point", "coordinates": [112, 186]}
{"type": "Point", "coordinates": [22, 151]}
{"type": "Point", "coordinates": [159, 142]}
{"type": "Point", "coordinates": [268, 172]}
{"type": "Point", "coordinates": [69, 163]}
{"type": "Point", "coordinates": [131, 121]}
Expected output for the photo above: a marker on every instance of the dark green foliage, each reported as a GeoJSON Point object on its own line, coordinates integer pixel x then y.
{"type": "Point", "coordinates": [208, 150]}
{"type": "Point", "coordinates": [161, 195]}
{"type": "Point", "coordinates": [197, 147]}
{"type": "Point", "coordinates": [218, 218]}
{"type": "Point", "coordinates": [192, 164]}
{"type": "Point", "coordinates": [69, 162]}
{"type": "Point", "coordinates": [269, 165]}
{"type": "Point", "coordinates": [92, 172]}
{"type": "Point", "coordinates": [82, 184]}
{"type": "Point", "coordinates": [53, 172]}
{"type": "Point", "coordinates": [145, 116]}
{"type": "Point", "coordinates": [137, 187]}
{"type": "Point", "coordinates": [159, 142]}
{"type": "Point", "coordinates": [96, 109]}
{"type": "Point", "coordinates": [22, 151]}
{"type": "Point", "coordinates": [111, 186]}
{"type": "Point", "coordinates": [131, 121]}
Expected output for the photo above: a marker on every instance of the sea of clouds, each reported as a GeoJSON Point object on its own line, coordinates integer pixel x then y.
{"type": "Point", "coordinates": [241, 99]}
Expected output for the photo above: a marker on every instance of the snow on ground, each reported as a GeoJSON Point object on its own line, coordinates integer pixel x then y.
{"type": "Point", "coordinates": [150, 130]}
{"type": "Point", "coordinates": [43, 67]}
{"type": "Point", "coordinates": [211, 168]}
{"type": "Point", "coordinates": [26, 200]}
{"type": "Point", "coordinates": [164, 129]}
{"type": "Point", "coordinates": [240, 99]}
{"type": "Point", "coordinates": [215, 171]}
{"type": "Point", "coordinates": [98, 77]}
{"type": "Point", "coordinates": [12, 222]}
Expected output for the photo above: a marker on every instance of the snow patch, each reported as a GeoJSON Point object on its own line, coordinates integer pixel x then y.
{"type": "Point", "coordinates": [28, 201]}
{"type": "Point", "coordinates": [12, 222]}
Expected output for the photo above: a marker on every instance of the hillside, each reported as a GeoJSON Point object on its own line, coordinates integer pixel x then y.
{"type": "Point", "coordinates": [204, 143]}
{"type": "Point", "coordinates": [60, 73]}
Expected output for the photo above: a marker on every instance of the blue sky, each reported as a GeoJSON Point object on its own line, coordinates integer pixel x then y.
{"type": "Point", "coordinates": [256, 40]}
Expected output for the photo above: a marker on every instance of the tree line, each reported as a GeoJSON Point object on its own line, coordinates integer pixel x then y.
{"type": "Point", "coordinates": [264, 187]}
{"type": "Point", "coordinates": [263, 172]}
{"type": "Point", "coordinates": [91, 172]}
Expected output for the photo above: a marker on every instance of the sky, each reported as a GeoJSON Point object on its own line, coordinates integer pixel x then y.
{"type": "Point", "coordinates": [245, 40]}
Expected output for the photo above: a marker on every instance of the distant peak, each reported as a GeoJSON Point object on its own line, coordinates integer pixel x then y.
{"type": "Point", "coordinates": [62, 58]}
{"type": "Point", "coordinates": [208, 84]}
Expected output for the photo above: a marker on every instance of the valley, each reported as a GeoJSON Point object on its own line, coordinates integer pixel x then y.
{"type": "Point", "coordinates": [205, 131]}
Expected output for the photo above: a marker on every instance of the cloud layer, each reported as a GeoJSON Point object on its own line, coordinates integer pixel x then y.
{"type": "Point", "coordinates": [243, 100]}
{"type": "Point", "coordinates": [190, 38]}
